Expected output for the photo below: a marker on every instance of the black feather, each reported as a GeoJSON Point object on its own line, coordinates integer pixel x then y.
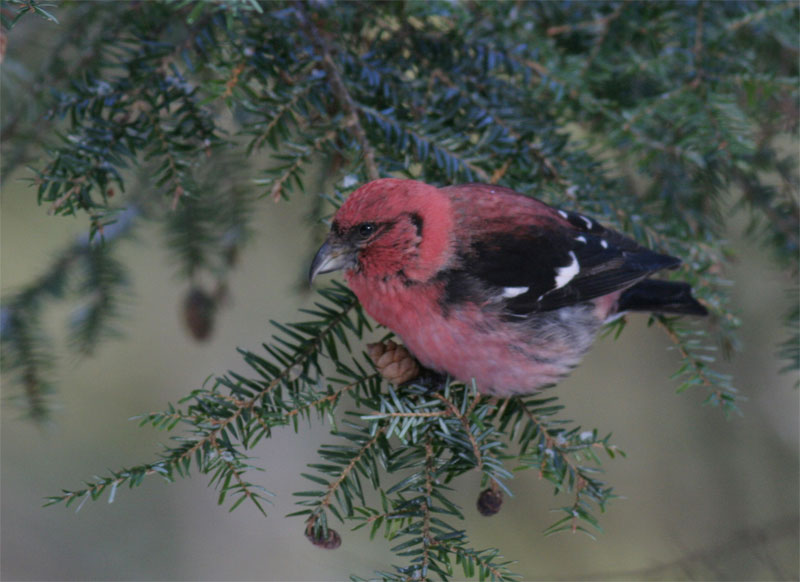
{"type": "Point", "coordinates": [534, 258]}
{"type": "Point", "coordinates": [662, 297]}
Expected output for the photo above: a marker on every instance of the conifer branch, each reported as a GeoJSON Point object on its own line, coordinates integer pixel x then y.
{"type": "Point", "coordinates": [759, 14]}
{"type": "Point", "coordinates": [424, 143]}
{"type": "Point", "coordinates": [333, 488]}
{"type": "Point", "coordinates": [604, 24]}
{"type": "Point", "coordinates": [695, 368]}
{"type": "Point", "coordinates": [341, 95]}
{"type": "Point", "coordinates": [233, 80]}
{"type": "Point", "coordinates": [327, 399]}
{"type": "Point", "coordinates": [291, 171]}
{"type": "Point", "coordinates": [443, 93]}
{"type": "Point", "coordinates": [464, 420]}
{"type": "Point", "coordinates": [697, 49]}
{"type": "Point", "coordinates": [240, 407]}
{"type": "Point", "coordinates": [427, 538]}
{"type": "Point", "coordinates": [282, 110]}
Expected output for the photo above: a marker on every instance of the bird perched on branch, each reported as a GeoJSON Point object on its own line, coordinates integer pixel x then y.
{"type": "Point", "coordinates": [481, 282]}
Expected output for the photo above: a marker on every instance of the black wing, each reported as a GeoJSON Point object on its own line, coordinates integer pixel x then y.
{"type": "Point", "coordinates": [542, 269]}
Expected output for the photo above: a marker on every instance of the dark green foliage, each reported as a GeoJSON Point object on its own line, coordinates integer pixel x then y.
{"type": "Point", "coordinates": [662, 119]}
{"type": "Point", "coordinates": [406, 443]}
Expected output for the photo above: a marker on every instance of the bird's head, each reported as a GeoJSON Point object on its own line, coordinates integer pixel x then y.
{"type": "Point", "coordinates": [389, 227]}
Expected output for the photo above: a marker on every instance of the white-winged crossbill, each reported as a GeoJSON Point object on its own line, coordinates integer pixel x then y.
{"type": "Point", "coordinates": [481, 282]}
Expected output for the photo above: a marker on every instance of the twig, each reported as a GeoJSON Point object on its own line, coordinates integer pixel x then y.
{"type": "Point", "coordinates": [277, 187]}
{"type": "Point", "coordinates": [495, 573]}
{"type": "Point", "coordinates": [698, 368]}
{"type": "Point", "coordinates": [534, 149]}
{"type": "Point", "coordinates": [427, 540]}
{"type": "Point", "coordinates": [598, 23]}
{"type": "Point", "coordinates": [551, 443]}
{"type": "Point", "coordinates": [249, 404]}
{"type": "Point", "coordinates": [605, 25]}
{"type": "Point", "coordinates": [433, 414]}
{"type": "Point", "coordinates": [342, 96]}
{"type": "Point", "coordinates": [329, 397]}
{"type": "Point", "coordinates": [498, 174]}
{"type": "Point", "coordinates": [237, 474]}
{"type": "Point", "coordinates": [124, 222]}
{"type": "Point", "coordinates": [760, 15]}
{"type": "Point", "coordinates": [698, 45]}
{"type": "Point", "coordinates": [482, 174]}
{"type": "Point", "coordinates": [333, 487]}
{"type": "Point", "coordinates": [233, 81]}
{"type": "Point", "coordinates": [278, 114]}
{"type": "Point", "coordinates": [466, 424]}
{"type": "Point", "coordinates": [77, 184]}
{"type": "Point", "coordinates": [785, 222]}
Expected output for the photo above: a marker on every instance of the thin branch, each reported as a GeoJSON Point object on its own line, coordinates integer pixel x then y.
{"type": "Point", "coordinates": [552, 443]}
{"type": "Point", "coordinates": [333, 487]}
{"type": "Point", "coordinates": [479, 172]}
{"type": "Point", "coordinates": [342, 96]}
{"type": "Point", "coordinates": [329, 397]}
{"type": "Point", "coordinates": [697, 367]}
{"type": "Point", "coordinates": [600, 24]}
{"type": "Point", "coordinates": [453, 549]}
{"type": "Point", "coordinates": [605, 25]}
{"type": "Point", "coordinates": [277, 187]}
{"type": "Point", "coordinates": [427, 539]}
{"type": "Point", "coordinates": [534, 149]}
{"type": "Point", "coordinates": [278, 113]}
{"type": "Point", "coordinates": [466, 424]}
{"type": "Point", "coordinates": [231, 83]}
{"type": "Point", "coordinates": [697, 51]}
{"type": "Point", "coordinates": [237, 474]}
{"type": "Point", "coordinates": [785, 222]}
{"type": "Point", "coordinates": [177, 190]}
{"type": "Point", "coordinates": [123, 223]}
{"type": "Point", "coordinates": [758, 15]}
{"type": "Point", "coordinates": [432, 414]}
{"type": "Point", "coordinates": [300, 358]}
{"type": "Point", "coordinates": [498, 174]}
{"type": "Point", "coordinates": [656, 101]}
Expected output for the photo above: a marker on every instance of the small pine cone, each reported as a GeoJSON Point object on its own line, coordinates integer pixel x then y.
{"type": "Point", "coordinates": [198, 313]}
{"type": "Point", "coordinates": [490, 501]}
{"type": "Point", "coordinates": [393, 361]}
{"type": "Point", "coordinates": [231, 255]}
{"type": "Point", "coordinates": [331, 542]}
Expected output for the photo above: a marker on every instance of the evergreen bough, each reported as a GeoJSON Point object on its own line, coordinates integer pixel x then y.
{"type": "Point", "coordinates": [661, 118]}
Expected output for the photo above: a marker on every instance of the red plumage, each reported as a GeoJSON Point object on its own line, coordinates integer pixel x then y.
{"type": "Point", "coordinates": [484, 283]}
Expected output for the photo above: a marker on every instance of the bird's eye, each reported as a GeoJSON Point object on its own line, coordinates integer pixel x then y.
{"type": "Point", "coordinates": [366, 229]}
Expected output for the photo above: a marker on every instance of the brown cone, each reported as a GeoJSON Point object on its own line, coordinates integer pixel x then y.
{"type": "Point", "coordinates": [490, 501]}
{"type": "Point", "coordinates": [198, 312]}
{"type": "Point", "coordinates": [331, 542]}
{"type": "Point", "coordinates": [393, 361]}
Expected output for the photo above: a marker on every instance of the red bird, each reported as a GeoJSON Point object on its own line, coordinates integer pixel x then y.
{"type": "Point", "coordinates": [484, 283]}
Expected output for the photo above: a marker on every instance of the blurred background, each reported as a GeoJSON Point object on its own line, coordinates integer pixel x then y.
{"type": "Point", "coordinates": [703, 498]}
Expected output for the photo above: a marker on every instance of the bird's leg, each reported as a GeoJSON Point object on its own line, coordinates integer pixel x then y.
{"type": "Point", "coordinates": [431, 380]}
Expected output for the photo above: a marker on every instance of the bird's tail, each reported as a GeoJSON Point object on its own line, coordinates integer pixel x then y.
{"type": "Point", "coordinates": [661, 297]}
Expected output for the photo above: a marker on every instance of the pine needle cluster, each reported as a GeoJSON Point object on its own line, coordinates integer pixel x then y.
{"type": "Point", "coordinates": [661, 119]}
